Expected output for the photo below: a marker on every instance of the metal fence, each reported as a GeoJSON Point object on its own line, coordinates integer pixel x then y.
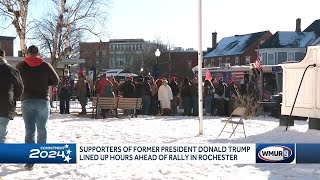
{"type": "Point", "coordinates": [75, 106]}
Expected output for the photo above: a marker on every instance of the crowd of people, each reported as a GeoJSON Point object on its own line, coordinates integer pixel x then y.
{"type": "Point", "coordinates": [159, 97]}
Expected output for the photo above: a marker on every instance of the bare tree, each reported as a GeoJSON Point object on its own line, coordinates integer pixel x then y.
{"type": "Point", "coordinates": [60, 32]}
{"type": "Point", "coordinates": [144, 58]}
{"type": "Point", "coordinates": [17, 11]}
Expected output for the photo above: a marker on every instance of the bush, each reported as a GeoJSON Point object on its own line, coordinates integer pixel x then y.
{"type": "Point", "coordinates": [250, 103]}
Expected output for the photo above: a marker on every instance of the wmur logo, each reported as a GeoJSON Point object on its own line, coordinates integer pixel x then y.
{"type": "Point", "coordinates": [275, 153]}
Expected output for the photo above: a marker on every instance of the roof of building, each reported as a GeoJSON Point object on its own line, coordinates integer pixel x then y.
{"type": "Point", "coordinates": [234, 45]}
{"type": "Point", "coordinates": [125, 40]}
{"type": "Point", "coordinates": [7, 37]}
{"type": "Point", "coordinates": [289, 39]}
{"type": "Point", "coordinates": [314, 27]}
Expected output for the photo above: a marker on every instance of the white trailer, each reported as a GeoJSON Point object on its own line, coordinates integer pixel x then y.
{"type": "Point", "coordinates": [306, 102]}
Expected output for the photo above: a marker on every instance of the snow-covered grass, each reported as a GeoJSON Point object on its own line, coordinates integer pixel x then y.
{"type": "Point", "coordinates": [157, 130]}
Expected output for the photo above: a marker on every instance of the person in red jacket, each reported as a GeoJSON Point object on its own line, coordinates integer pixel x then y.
{"type": "Point", "coordinates": [105, 89]}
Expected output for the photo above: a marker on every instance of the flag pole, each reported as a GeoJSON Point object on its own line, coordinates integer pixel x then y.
{"type": "Point", "coordinates": [200, 101]}
{"type": "Point", "coordinates": [261, 75]}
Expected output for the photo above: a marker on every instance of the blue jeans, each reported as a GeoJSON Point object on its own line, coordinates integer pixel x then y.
{"type": "Point", "coordinates": [146, 103]}
{"type": "Point", "coordinates": [3, 129]}
{"type": "Point", "coordinates": [207, 103]}
{"type": "Point", "coordinates": [35, 113]}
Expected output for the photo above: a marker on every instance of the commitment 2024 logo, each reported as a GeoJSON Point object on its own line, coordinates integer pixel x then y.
{"type": "Point", "coordinates": [58, 153]}
{"type": "Point", "coordinates": [275, 153]}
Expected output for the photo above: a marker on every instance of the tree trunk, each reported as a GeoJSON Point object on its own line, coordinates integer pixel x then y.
{"type": "Point", "coordinates": [57, 32]}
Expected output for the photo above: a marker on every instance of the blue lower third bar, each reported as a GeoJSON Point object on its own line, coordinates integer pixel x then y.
{"type": "Point", "coordinates": [307, 153]}
{"type": "Point", "coordinates": [38, 153]}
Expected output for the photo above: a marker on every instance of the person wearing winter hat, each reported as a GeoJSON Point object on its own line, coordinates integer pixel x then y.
{"type": "Point", "coordinates": [64, 91]}
{"type": "Point", "coordinates": [37, 76]}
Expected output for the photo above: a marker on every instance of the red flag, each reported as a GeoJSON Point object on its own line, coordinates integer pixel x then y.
{"type": "Point", "coordinates": [208, 75]}
{"type": "Point", "coordinates": [258, 61]}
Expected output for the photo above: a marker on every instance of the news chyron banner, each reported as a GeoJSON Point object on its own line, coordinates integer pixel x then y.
{"type": "Point", "coordinates": [217, 153]}
{"type": "Point", "coordinates": [114, 153]}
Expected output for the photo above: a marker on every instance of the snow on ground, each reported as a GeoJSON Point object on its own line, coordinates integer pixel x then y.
{"type": "Point", "coordinates": [157, 130]}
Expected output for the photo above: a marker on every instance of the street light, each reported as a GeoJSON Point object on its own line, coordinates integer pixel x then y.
{"type": "Point", "coordinates": [141, 70]}
{"type": "Point", "coordinates": [157, 53]}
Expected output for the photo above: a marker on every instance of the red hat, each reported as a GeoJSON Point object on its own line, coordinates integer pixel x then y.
{"type": "Point", "coordinates": [173, 78]}
{"type": "Point", "coordinates": [129, 78]}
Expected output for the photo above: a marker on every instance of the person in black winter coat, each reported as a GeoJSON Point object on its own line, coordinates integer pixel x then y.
{"type": "Point", "coordinates": [128, 88]}
{"type": "Point", "coordinates": [10, 90]}
{"type": "Point", "coordinates": [146, 96]}
{"type": "Point", "coordinates": [175, 91]}
{"type": "Point", "coordinates": [186, 97]}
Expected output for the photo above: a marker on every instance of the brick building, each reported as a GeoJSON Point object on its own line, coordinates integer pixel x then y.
{"type": "Point", "coordinates": [177, 64]}
{"type": "Point", "coordinates": [6, 43]}
{"type": "Point", "coordinates": [129, 54]}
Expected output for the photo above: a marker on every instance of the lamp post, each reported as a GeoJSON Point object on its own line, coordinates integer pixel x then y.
{"type": "Point", "coordinates": [141, 71]}
{"type": "Point", "coordinates": [157, 53]}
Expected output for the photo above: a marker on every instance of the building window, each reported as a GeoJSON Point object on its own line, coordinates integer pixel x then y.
{"type": "Point", "coordinates": [247, 60]}
{"type": "Point", "coordinates": [290, 56]}
{"type": "Point", "coordinates": [206, 63]}
{"type": "Point", "coordinates": [228, 60]}
{"type": "Point", "coordinates": [97, 53]}
{"type": "Point", "coordinates": [298, 56]}
{"type": "Point", "coordinates": [271, 60]}
{"type": "Point", "coordinates": [264, 58]}
{"type": "Point", "coordinates": [282, 57]}
{"type": "Point", "coordinates": [212, 63]}
{"type": "Point", "coordinates": [220, 62]}
{"type": "Point", "coordinates": [104, 53]}
{"type": "Point", "coordinates": [236, 61]}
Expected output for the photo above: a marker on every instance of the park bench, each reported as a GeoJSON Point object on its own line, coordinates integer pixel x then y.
{"type": "Point", "coordinates": [129, 104]}
{"type": "Point", "coordinates": [102, 103]}
{"type": "Point", "coordinates": [115, 104]}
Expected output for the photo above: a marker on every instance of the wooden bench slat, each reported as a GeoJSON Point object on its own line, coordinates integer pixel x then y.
{"type": "Point", "coordinates": [116, 103]}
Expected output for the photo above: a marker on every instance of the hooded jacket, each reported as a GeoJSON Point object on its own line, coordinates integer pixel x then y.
{"type": "Point", "coordinates": [37, 75]}
{"type": "Point", "coordinates": [11, 88]}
